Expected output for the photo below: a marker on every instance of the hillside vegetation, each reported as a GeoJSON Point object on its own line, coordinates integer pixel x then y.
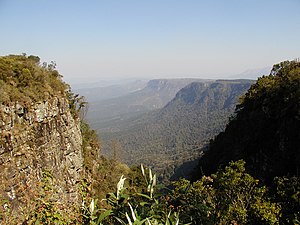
{"type": "Point", "coordinates": [169, 137]}
{"type": "Point", "coordinates": [266, 129]}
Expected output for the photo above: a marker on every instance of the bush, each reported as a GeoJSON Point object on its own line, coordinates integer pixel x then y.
{"type": "Point", "coordinates": [229, 196]}
{"type": "Point", "coordinates": [23, 78]}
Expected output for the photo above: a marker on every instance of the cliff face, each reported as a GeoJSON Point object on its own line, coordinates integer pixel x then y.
{"type": "Point", "coordinates": [37, 137]}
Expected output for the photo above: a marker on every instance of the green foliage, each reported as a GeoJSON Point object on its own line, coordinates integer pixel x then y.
{"type": "Point", "coordinates": [130, 207]}
{"type": "Point", "coordinates": [22, 79]}
{"type": "Point", "coordinates": [280, 87]}
{"type": "Point", "coordinates": [230, 196]}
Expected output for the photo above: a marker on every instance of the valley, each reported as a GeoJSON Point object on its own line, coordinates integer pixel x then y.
{"type": "Point", "coordinates": [166, 124]}
{"type": "Point", "coordinates": [231, 143]}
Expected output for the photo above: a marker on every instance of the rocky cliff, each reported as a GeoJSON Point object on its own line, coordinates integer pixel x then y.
{"type": "Point", "coordinates": [38, 135]}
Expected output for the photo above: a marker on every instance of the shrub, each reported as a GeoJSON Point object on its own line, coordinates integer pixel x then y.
{"type": "Point", "coordinates": [23, 78]}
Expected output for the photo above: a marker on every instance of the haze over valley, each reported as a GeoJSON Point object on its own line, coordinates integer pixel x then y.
{"type": "Point", "coordinates": [164, 123]}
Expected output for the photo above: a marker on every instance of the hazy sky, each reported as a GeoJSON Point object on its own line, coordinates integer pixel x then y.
{"type": "Point", "coordinates": [94, 39]}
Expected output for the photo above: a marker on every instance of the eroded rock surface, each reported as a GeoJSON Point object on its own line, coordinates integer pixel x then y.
{"type": "Point", "coordinates": [37, 137]}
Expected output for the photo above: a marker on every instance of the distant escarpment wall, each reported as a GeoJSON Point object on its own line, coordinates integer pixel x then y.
{"type": "Point", "coordinates": [39, 137]}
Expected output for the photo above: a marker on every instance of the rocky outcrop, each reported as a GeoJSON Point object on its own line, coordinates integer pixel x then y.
{"type": "Point", "coordinates": [37, 137]}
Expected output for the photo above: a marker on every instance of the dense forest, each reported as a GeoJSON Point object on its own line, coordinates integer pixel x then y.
{"type": "Point", "coordinates": [248, 175]}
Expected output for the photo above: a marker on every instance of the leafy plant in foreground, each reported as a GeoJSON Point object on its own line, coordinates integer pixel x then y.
{"type": "Point", "coordinates": [130, 207]}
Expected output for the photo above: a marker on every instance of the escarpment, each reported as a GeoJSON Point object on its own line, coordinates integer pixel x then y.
{"type": "Point", "coordinates": [40, 139]}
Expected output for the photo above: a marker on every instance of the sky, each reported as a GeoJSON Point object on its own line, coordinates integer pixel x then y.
{"type": "Point", "coordinates": [92, 40]}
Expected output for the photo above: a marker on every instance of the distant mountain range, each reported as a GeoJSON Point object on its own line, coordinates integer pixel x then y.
{"type": "Point", "coordinates": [107, 113]}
